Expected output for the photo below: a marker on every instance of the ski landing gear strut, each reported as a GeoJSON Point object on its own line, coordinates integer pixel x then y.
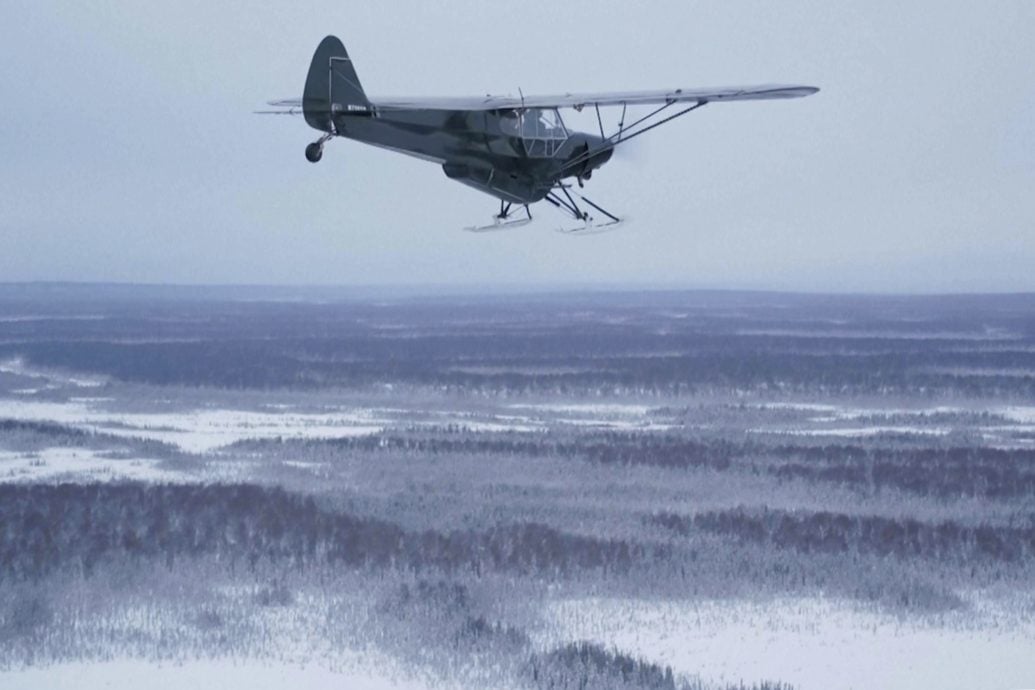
{"type": "Point", "coordinates": [503, 221]}
{"type": "Point", "coordinates": [590, 225]}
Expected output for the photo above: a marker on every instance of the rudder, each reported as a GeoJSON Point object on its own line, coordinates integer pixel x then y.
{"type": "Point", "coordinates": [331, 86]}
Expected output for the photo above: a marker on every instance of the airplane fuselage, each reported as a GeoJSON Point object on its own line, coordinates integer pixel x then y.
{"type": "Point", "coordinates": [482, 149]}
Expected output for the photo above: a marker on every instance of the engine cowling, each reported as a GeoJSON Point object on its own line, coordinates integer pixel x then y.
{"type": "Point", "coordinates": [588, 157]}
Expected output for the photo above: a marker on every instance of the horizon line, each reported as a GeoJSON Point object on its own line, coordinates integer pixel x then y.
{"type": "Point", "coordinates": [510, 288]}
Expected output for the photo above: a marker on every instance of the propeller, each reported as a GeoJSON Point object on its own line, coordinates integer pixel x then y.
{"type": "Point", "coordinates": [633, 152]}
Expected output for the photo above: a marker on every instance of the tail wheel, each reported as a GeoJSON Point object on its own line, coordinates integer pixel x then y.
{"type": "Point", "coordinates": [314, 152]}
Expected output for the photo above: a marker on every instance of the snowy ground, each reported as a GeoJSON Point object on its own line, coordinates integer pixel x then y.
{"type": "Point", "coordinates": [225, 675]}
{"type": "Point", "coordinates": [194, 431]}
{"type": "Point", "coordinates": [94, 404]}
{"type": "Point", "coordinates": [53, 464]}
{"type": "Point", "coordinates": [813, 644]}
{"type": "Point", "coordinates": [1006, 425]}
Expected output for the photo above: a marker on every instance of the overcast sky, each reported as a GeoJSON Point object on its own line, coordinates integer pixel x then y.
{"type": "Point", "coordinates": [128, 151]}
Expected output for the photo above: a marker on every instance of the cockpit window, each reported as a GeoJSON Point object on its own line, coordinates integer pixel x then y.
{"type": "Point", "coordinates": [510, 123]}
{"type": "Point", "coordinates": [541, 130]}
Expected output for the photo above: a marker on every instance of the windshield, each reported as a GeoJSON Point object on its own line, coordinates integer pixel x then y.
{"type": "Point", "coordinates": [541, 129]}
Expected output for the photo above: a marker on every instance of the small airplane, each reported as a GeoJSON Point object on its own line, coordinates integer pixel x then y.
{"type": "Point", "coordinates": [515, 149]}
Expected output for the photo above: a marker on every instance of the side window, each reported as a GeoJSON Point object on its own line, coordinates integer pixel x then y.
{"type": "Point", "coordinates": [510, 123]}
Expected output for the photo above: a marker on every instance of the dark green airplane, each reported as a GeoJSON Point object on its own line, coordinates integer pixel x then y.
{"type": "Point", "coordinates": [515, 149]}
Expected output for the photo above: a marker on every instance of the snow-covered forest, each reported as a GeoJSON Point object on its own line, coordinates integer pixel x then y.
{"type": "Point", "coordinates": [609, 490]}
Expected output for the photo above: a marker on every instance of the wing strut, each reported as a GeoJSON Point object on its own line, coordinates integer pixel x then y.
{"type": "Point", "coordinates": [621, 136]}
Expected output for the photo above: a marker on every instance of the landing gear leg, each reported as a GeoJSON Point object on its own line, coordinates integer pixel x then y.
{"type": "Point", "coordinates": [314, 151]}
{"type": "Point", "coordinates": [503, 221]}
{"type": "Point", "coordinates": [589, 225]}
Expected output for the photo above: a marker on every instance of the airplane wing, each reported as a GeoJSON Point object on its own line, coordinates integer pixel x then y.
{"type": "Point", "coordinates": [580, 101]}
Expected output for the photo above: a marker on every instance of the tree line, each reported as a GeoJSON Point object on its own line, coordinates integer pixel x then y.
{"type": "Point", "coordinates": [77, 527]}
{"type": "Point", "coordinates": [834, 533]}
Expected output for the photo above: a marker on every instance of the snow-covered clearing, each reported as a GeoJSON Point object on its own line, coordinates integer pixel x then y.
{"type": "Point", "coordinates": [999, 425]}
{"type": "Point", "coordinates": [813, 644]}
{"type": "Point", "coordinates": [195, 431]}
{"type": "Point", "coordinates": [610, 416]}
{"type": "Point", "coordinates": [860, 432]}
{"type": "Point", "coordinates": [50, 379]}
{"type": "Point", "coordinates": [601, 409]}
{"type": "Point", "coordinates": [225, 675]}
{"type": "Point", "coordinates": [79, 463]}
{"type": "Point", "coordinates": [1019, 414]}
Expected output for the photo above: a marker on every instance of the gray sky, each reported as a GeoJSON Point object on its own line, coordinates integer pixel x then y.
{"type": "Point", "coordinates": [128, 151]}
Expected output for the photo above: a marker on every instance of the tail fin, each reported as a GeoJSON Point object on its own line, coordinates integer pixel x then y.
{"type": "Point", "coordinates": [332, 85]}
